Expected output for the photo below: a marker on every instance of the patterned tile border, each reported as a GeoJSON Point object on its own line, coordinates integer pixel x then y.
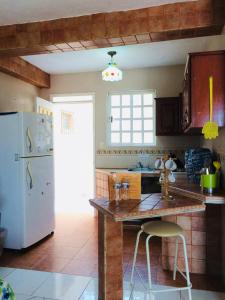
{"type": "Point", "coordinates": [138, 151]}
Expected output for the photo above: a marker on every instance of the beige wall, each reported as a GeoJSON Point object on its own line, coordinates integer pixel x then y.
{"type": "Point", "coordinates": [16, 95]}
{"type": "Point", "coordinates": [167, 81]}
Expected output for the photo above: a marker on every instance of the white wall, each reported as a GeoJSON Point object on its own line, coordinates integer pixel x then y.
{"type": "Point", "coordinates": [16, 95]}
{"type": "Point", "coordinates": [167, 81]}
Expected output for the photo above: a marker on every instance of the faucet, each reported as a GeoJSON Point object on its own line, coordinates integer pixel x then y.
{"type": "Point", "coordinates": [140, 165]}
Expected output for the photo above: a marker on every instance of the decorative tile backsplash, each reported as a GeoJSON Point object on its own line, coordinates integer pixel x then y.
{"type": "Point", "coordinates": [139, 151]}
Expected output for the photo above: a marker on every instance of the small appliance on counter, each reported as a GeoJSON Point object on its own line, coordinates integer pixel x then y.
{"type": "Point", "coordinates": [195, 161]}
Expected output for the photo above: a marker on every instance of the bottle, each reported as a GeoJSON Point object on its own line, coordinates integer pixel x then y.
{"type": "Point", "coordinates": [117, 187]}
{"type": "Point", "coordinates": [125, 189]}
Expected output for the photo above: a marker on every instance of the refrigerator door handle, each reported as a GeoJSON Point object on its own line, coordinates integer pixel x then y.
{"type": "Point", "coordinates": [29, 140]}
{"type": "Point", "coordinates": [29, 177]}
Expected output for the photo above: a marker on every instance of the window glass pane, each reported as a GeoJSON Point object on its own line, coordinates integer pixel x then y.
{"type": "Point", "coordinates": [115, 137]}
{"type": "Point", "coordinates": [115, 100]}
{"type": "Point", "coordinates": [148, 137]}
{"type": "Point", "coordinates": [125, 137]}
{"type": "Point", "coordinates": [126, 125]}
{"type": "Point", "coordinates": [136, 112]}
{"type": "Point", "coordinates": [137, 137]}
{"type": "Point", "coordinates": [148, 99]}
{"type": "Point", "coordinates": [115, 125]}
{"type": "Point", "coordinates": [133, 118]}
{"type": "Point", "coordinates": [137, 100]}
{"type": "Point", "coordinates": [125, 113]}
{"type": "Point", "coordinates": [137, 125]}
{"type": "Point", "coordinates": [148, 124]}
{"type": "Point", "coordinates": [126, 100]}
{"type": "Point", "coordinates": [115, 113]}
{"type": "Point", "coordinates": [148, 112]}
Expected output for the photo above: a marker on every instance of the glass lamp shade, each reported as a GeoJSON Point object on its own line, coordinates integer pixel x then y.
{"type": "Point", "coordinates": [112, 73]}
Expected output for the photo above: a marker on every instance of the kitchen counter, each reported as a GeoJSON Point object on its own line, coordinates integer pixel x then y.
{"type": "Point", "coordinates": [180, 187]}
{"type": "Point", "coordinates": [205, 231]}
{"type": "Point", "coordinates": [111, 215]}
{"type": "Point", "coordinates": [144, 173]}
{"type": "Point", "coordinates": [147, 207]}
{"type": "Point", "coordinates": [194, 191]}
{"type": "Point", "coordinates": [204, 241]}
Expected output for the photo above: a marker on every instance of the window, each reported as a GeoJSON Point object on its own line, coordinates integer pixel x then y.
{"type": "Point", "coordinates": [67, 122]}
{"type": "Point", "coordinates": [132, 119]}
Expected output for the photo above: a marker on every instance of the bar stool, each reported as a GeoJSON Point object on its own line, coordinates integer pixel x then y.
{"type": "Point", "coordinates": [163, 229]}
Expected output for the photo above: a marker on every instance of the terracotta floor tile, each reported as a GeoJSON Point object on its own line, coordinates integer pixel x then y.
{"type": "Point", "coordinates": [73, 249]}
{"type": "Point", "coordinates": [51, 264]}
{"type": "Point", "coordinates": [80, 267]}
{"type": "Point", "coordinates": [127, 258]}
{"type": "Point", "coordinates": [166, 278]}
{"type": "Point", "coordinates": [62, 251]}
{"type": "Point", "coordinates": [142, 271]}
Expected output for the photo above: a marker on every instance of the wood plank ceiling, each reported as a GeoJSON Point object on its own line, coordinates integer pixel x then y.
{"type": "Point", "coordinates": [153, 24]}
{"type": "Point", "coordinates": [165, 22]}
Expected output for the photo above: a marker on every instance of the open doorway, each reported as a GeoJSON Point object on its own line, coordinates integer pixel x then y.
{"type": "Point", "coordinates": [74, 153]}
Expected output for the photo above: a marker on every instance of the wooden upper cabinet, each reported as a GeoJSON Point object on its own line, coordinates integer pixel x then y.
{"type": "Point", "coordinates": [168, 116]}
{"type": "Point", "coordinates": [195, 98]}
{"type": "Point", "coordinates": [186, 100]}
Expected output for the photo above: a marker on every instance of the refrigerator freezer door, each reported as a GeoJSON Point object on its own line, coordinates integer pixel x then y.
{"type": "Point", "coordinates": [38, 191]}
{"type": "Point", "coordinates": [37, 134]}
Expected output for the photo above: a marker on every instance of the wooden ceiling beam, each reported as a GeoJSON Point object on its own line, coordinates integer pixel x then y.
{"type": "Point", "coordinates": [165, 22]}
{"type": "Point", "coordinates": [19, 68]}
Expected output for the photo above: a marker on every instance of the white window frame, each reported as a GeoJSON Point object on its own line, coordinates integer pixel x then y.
{"type": "Point", "coordinates": [108, 131]}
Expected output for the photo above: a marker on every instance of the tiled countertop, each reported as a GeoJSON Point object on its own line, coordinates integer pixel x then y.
{"type": "Point", "coordinates": [144, 173]}
{"type": "Point", "coordinates": [147, 207]}
{"type": "Point", "coordinates": [194, 191]}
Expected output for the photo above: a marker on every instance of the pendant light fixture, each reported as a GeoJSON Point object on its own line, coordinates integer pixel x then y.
{"type": "Point", "coordinates": [112, 73]}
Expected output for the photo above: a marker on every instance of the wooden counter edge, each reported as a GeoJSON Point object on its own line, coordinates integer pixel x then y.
{"type": "Point", "coordinates": [207, 199]}
{"type": "Point", "coordinates": [145, 216]}
{"type": "Point", "coordinates": [100, 209]}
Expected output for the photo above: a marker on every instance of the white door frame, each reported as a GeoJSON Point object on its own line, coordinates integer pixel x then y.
{"type": "Point", "coordinates": [82, 101]}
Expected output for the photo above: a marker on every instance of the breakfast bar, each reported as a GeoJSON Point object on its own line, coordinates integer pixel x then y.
{"type": "Point", "coordinates": [111, 215]}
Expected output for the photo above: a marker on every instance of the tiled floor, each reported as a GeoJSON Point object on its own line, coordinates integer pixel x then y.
{"type": "Point", "coordinates": [38, 285]}
{"type": "Point", "coordinates": [72, 250]}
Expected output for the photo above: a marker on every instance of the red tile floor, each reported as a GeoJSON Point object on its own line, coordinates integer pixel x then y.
{"type": "Point", "coordinates": [73, 250]}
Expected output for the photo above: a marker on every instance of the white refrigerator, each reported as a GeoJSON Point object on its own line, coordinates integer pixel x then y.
{"type": "Point", "coordinates": [26, 178]}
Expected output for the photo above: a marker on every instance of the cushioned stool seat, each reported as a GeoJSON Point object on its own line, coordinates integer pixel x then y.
{"type": "Point", "coordinates": [162, 228]}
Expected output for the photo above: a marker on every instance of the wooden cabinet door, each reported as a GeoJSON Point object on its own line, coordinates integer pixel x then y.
{"type": "Point", "coordinates": [186, 100]}
{"type": "Point", "coordinates": [203, 66]}
{"type": "Point", "coordinates": [168, 116]}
